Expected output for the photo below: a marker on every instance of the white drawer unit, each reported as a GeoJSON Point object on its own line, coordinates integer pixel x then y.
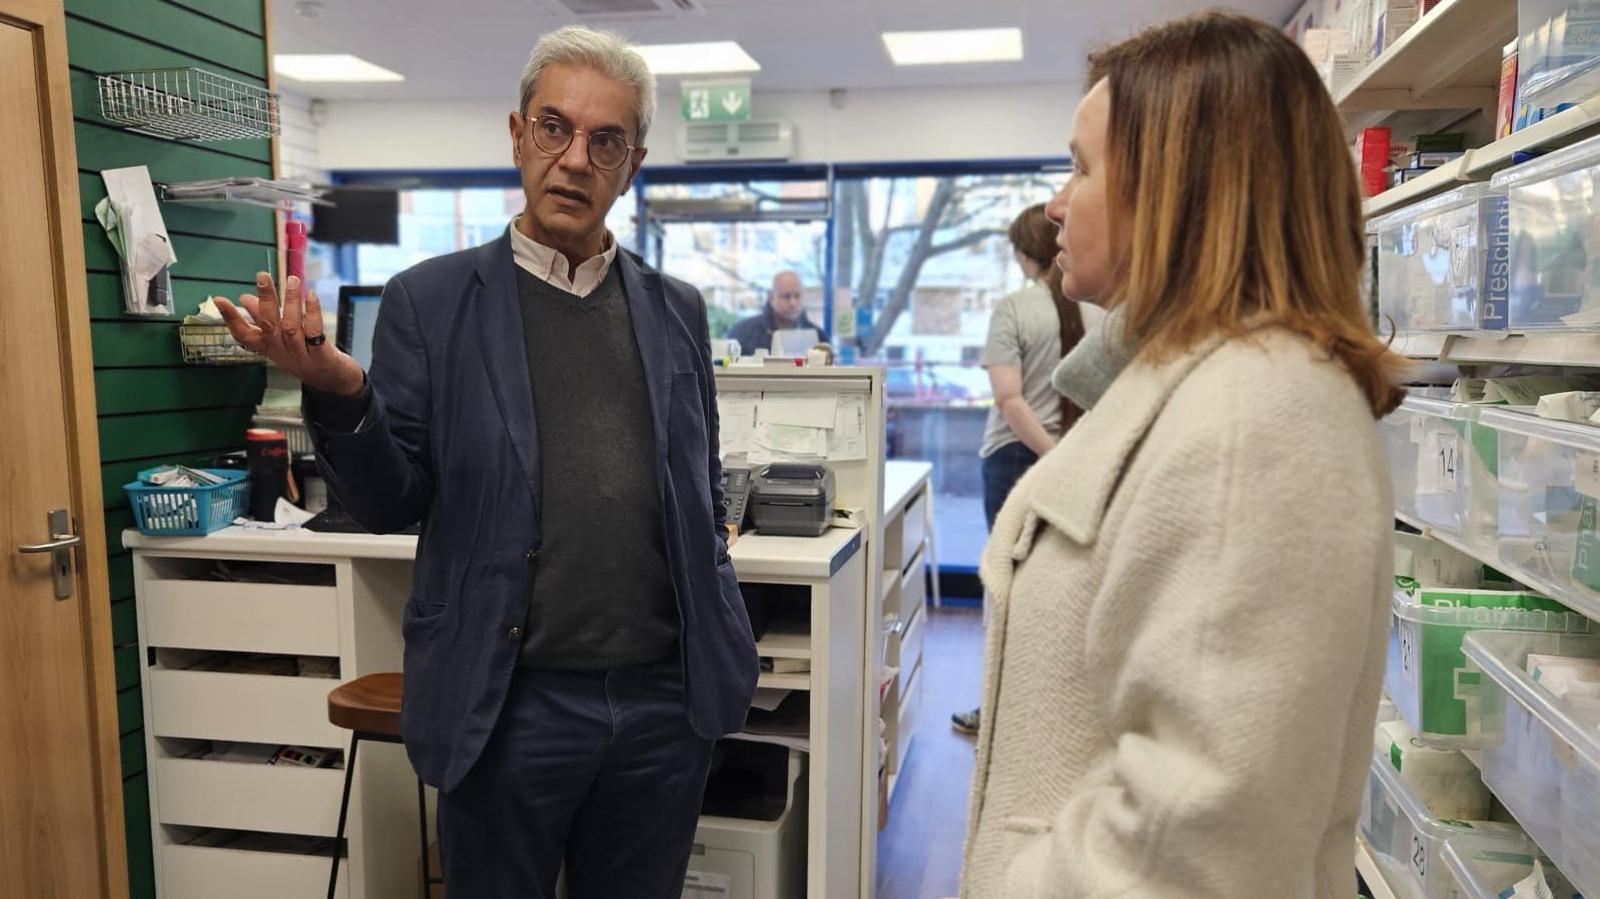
{"type": "Point", "coordinates": [247, 708]}
{"type": "Point", "coordinates": [221, 872]}
{"type": "Point", "coordinates": [913, 590]}
{"type": "Point", "coordinates": [288, 619]}
{"type": "Point", "coordinates": [891, 595]}
{"type": "Point", "coordinates": [906, 717]}
{"type": "Point", "coordinates": [905, 642]}
{"type": "Point", "coordinates": [915, 529]}
{"type": "Point", "coordinates": [239, 796]}
{"type": "Point", "coordinates": [905, 533]}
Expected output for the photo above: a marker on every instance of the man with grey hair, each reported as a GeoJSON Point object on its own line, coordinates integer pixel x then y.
{"type": "Point", "coordinates": [575, 638]}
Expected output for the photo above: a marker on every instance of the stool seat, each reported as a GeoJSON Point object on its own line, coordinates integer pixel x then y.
{"type": "Point", "coordinates": [369, 707]}
{"type": "Point", "coordinates": [369, 704]}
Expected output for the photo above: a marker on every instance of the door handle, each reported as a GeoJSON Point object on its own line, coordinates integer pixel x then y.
{"type": "Point", "coordinates": [59, 546]}
{"type": "Point", "coordinates": [61, 541]}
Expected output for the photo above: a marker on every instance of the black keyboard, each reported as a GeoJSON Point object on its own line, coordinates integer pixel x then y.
{"type": "Point", "coordinates": [336, 521]}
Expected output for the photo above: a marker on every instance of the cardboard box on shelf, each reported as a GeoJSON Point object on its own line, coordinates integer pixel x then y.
{"type": "Point", "coordinates": [1322, 44]}
{"type": "Point", "coordinates": [1390, 25]}
{"type": "Point", "coordinates": [1372, 158]}
{"type": "Point", "coordinates": [1505, 109]}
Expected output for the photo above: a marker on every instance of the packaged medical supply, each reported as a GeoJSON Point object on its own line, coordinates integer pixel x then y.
{"type": "Point", "coordinates": [1386, 710]}
{"type": "Point", "coordinates": [1541, 885]}
{"type": "Point", "coordinates": [1433, 564]}
{"type": "Point", "coordinates": [1443, 780]}
{"type": "Point", "coordinates": [1505, 109]}
{"type": "Point", "coordinates": [1526, 390]}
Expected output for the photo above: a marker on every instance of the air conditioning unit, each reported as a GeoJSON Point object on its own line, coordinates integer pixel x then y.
{"type": "Point", "coordinates": [753, 141]}
{"type": "Point", "coordinates": [623, 9]}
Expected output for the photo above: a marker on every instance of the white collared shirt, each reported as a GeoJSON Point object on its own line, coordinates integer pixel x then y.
{"type": "Point", "coordinates": [550, 266]}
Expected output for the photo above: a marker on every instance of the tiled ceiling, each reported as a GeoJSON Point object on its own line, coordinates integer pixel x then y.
{"type": "Point", "coordinates": [475, 49]}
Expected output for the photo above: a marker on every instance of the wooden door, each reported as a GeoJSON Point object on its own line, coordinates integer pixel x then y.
{"type": "Point", "coordinates": [61, 831]}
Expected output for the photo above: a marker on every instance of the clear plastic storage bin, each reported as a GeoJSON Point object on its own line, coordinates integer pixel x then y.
{"type": "Point", "coordinates": [1406, 838]}
{"type": "Point", "coordinates": [1427, 676]}
{"type": "Point", "coordinates": [1442, 263]}
{"type": "Point", "coordinates": [1555, 239]}
{"type": "Point", "coordinates": [1541, 755]}
{"type": "Point", "coordinates": [1558, 63]}
{"type": "Point", "coordinates": [1549, 481]}
{"type": "Point", "coordinates": [1395, 429]}
{"type": "Point", "coordinates": [1485, 870]}
{"type": "Point", "coordinates": [1445, 467]}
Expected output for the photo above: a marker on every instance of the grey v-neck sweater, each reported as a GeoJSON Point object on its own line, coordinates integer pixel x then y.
{"type": "Point", "coordinates": [602, 589]}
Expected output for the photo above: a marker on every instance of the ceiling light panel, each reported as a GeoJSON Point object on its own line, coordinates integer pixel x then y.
{"type": "Point", "coordinates": [330, 67]}
{"type": "Point", "coordinates": [716, 57]}
{"type": "Point", "coordinates": [933, 48]}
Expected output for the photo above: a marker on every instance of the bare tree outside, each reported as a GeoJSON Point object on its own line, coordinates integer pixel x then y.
{"type": "Point", "coordinates": [958, 213]}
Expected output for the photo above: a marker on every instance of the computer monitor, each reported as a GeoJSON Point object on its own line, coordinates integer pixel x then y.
{"type": "Point", "coordinates": [358, 318]}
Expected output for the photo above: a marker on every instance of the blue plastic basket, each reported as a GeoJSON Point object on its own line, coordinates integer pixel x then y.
{"type": "Point", "coordinates": [188, 511]}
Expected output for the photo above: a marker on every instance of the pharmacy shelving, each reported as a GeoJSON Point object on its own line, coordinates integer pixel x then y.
{"type": "Point", "coordinates": [1448, 60]}
{"type": "Point", "coordinates": [1420, 346]}
{"type": "Point", "coordinates": [1440, 179]}
{"type": "Point", "coordinates": [1565, 348]}
{"type": "Point", "coordinates": [1570, 348]}
{"type": "Point", "coordinates": [1451, 60]}
{"type": "Point", "coordinates": [1479, 164]}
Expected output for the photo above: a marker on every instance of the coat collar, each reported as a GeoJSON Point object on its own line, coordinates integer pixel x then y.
{"type": "Point", "coordinates": [1071, 486]}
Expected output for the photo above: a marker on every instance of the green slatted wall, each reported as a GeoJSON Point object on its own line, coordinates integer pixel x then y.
{"type": "Point", "coordinates": [152, 408]}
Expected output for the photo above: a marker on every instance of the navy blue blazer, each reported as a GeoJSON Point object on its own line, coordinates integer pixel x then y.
{"type": "Point", "coordinates": [451, 440]}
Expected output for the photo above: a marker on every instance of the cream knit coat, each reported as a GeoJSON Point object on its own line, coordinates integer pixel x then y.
{"type": "Point", "coordinates": [1186, 640]}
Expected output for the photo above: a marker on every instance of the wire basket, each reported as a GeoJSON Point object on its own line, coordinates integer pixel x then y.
{"type": "Point", "coordinates": [213, 345]}
{"type": "Point", "coordinates": [188, 104]}
{"type": "Point", "coordinates": [188, 511]}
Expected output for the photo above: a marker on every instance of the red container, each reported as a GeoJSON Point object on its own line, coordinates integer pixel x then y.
{"type": "Point", "coordinates": [1372, 157]}
{"type": "Point", "coordinates": [294, 250]}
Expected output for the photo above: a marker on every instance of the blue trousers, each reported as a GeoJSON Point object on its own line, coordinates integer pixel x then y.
{"type": "Point", "coordinates": [595, 769]}
{"type": "Point", "coordinates": [1001, 471]}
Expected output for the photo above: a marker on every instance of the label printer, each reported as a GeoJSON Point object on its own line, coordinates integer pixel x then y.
{"type": "Point", "coordinates": [792, 500]}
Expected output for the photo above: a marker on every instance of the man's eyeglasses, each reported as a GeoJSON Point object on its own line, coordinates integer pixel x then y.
{"type": "Point", "coordinates": [608, 150]}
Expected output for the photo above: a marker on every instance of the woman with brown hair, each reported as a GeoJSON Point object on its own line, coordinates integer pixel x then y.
{"type": "Point", "coordinates": [1029, 331]}
{"type": "Point", "coordinates": [1187, 633]}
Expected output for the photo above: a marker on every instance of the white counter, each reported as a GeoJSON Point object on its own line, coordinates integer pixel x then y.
{"type": "Point", "coordinates": [754, 555]}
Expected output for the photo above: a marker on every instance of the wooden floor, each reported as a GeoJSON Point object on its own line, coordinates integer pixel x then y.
{"type": "Point", "coordinates": [919, 853]}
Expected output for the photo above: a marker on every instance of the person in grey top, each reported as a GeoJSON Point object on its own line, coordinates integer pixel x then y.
{"type": "Point", "coordinates": [1029, 332]}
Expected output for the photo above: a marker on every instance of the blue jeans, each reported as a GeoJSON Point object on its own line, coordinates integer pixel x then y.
{"type": "Point", "coordinates": [1001, 471]}
{"type": "Point", "coordinates": [597, 769]}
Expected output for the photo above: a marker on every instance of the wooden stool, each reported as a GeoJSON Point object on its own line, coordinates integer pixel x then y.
{"type": "Point", "coordinates": [369, 707]}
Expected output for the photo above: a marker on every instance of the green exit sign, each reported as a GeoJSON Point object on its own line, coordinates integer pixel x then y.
{"type": "Point", "coordinates": [716, 101]}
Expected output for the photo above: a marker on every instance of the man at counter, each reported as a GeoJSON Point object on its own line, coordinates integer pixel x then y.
{"type": "Point", "coordinates": [575, 639]}
{"type": "Point", "coordinates": [781, 312]}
